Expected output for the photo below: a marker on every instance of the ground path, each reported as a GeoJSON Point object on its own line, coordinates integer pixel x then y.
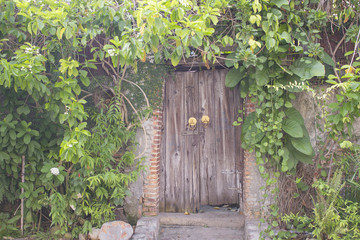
{"type": "Point", "coordinates": [211, 224]}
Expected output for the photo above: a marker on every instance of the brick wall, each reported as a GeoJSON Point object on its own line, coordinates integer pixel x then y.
{"type": "Point", "coordinates": [152, 179]}
{"type": "Point", "coordinates": [252, 179]}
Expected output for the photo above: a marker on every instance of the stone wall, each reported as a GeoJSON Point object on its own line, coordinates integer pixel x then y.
{"type": "Point", "coordinates": [144, 199]}
{"type": "Point", "coordinates": [309, 107]}
{"type": "Point", "coordinates": [152, 179]}
{"type": "Point", "coordinates": [133, 203]}
{"type": "Point", "coordinates": [254, 203]}
{"type": "Point", "coordinates": [252, 180]}
{"type": "Point", "coordinates": [146, 191]}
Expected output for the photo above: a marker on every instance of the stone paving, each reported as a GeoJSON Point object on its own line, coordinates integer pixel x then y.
{"type": "Point", "coordinates": [210, 224]}
{"type": "Point", "coordinates": [200, 233]}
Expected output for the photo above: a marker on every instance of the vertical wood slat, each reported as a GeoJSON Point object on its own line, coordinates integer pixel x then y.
{"type": "Point", "coordinates": [191, 143]}
{"type": "Point", "coordinates": [208, 145]}
{"type": "Point", "coordinates": [219, 143]}
{"type": "Point", "coordinates": [163, 154]}
{"type": "Point", "coordinates": [228, 116]}
{"type": "Point", "coordinates": [173, 177]}
{"type": "Point", "coordinates": [219, 189]}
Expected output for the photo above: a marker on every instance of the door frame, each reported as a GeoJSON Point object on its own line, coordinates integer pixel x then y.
{"type": "Point", "coordinates": [163, 150]}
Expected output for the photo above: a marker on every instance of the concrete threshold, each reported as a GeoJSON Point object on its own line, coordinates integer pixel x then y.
{"type": "Point", "coordinates": [208, 225]}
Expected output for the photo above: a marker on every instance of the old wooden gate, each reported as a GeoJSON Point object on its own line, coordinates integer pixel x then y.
{"type": "Point", "coordinates": [201, 165]}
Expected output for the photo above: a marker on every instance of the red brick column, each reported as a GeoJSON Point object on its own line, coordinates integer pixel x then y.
{"type": "Point", "coordinates": [252, 179]}
{"type": "Point", "coordinates": [152, 181]}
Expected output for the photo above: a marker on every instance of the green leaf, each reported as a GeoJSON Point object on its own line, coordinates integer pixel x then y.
{"type": "Point", "coordinates": [248, 129]}
{"type": "Point", "coordinates": [8, 118]}
{"type": "Point", "coordinates": [27, 139]}
{"type": "Point", "coordinates": [60, 33]}
{"type": "Point", "coordinates": [294, 115]}
{"type": "Point", "coordinates": [34, 133]}
{"type": "Point", "coordinates": [85, 81]}
{"type": "Point", "coordinates": [286, 160]}
{"type": "Point", "coordinates": [288, 104]}
{"type": "Point", "coordinates": [180, 13]}
{"type": "Point", "coordinates": [229, 62]}
{"type": "Point", "coordinates": [173, 15]}
{"type": "Point", "coordinates": [293, 128]}
{"type": "Point", "coordinates": [307, 68]}
{"type": "Point", "coordinates": [286, 36]}
{"type": "Point", "coordinates": [303, 144]}
{"type": "Point", "coordinates": [12, 134]}
{"type": "Point", "coordinates": [270, 43]}
{"type": "Point", "coordinates": [40, 24]}
{"type": "Point", "coordinates": [3, 128]}
{"type": "Point", "coordinates": [214, 19]}
{"type": "Point", "coordinates": [327, 59]}
{"type": "Point", "coordinates": [196, 41]}
{"type": "Point", "coordinates": [233, 77]}
{"type": "Point", "coordinates": [262, 77]}
{"type": "Point", "coordinates": [68, 32]}
{"type": "Point", "coordinates": [4, 155]}
{"type": "Point", "coordinates": [175, 59]}
{"type": "Point", "coordinates": [302, 157]}
{"type": "Point", "coordinates": [23, 110]}
{"type": "Point", "coordinates": [279, 3]}
{"type": "Point", "coordinates": [20, 133]}
{"type": "Point", "coordinates": [292, 160]}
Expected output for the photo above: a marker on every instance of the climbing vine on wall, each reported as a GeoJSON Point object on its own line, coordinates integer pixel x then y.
{"type": "Point", "coordinates": [150, 77]}
{"type": "Point", "coordinates": [48, 49]}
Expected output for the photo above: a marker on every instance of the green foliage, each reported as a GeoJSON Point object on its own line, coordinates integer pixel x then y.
{"type": "Point", "coordinates": [334, 217]}
{"type": "Point", "coordinates": [344, 110]}
{"type": "Point", "coordinates": [70, 172]}
{"type": "Point", "coordinates": [8, 226]}
{"type": "Point", "coordinates": [336, 213]}
{"type": "Point", "coordinates": [150, 78]}
{"type": "Point", "coordinates": [307, 68]}
{"type": "Point", "coordinates": [349, 160]}
{"type": "Point", "coordinates": [233, 77]}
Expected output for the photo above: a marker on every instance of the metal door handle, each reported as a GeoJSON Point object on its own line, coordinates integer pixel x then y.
{"type": "Point", "coordinates": [205, 120]}
{"type": "Point", "coordinates": [192, 123]}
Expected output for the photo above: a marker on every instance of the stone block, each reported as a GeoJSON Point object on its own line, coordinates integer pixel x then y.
{"type": "Point", "coordinates": [147, 228]}
{"type": "Point", "coordinates": [82, 237]}
{"type": "Point", "coordinates": [116, 230]}
{"type": "Point", "coordinates": [94, 234]}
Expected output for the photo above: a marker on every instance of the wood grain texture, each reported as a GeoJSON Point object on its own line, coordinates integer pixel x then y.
{"type": "Point", "coordinates": [191, 143]}
{"type": "Point", "coordinates": [200, 168]}
{"type": "Point", "coordinates": [174, 186]}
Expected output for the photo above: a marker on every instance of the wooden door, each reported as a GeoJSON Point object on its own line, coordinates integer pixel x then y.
{"type": "Point", "coordinates": [200, 166]}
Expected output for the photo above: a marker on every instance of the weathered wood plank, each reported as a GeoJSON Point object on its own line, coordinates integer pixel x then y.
{"type": "Point", "coordinates": [191, 143]}
{"type": "Point", "coordinates": [174, 175]}
{"type": "Point", "coordinates": [229, 108]}
{"type": "Point", "coordinates": [223, 175]}
{"type": "Point", "coordinates": [216, 175]}
{"type": "Point", "coordinates": [208, 147]}
{"type": "Point", "coordinates": [163, 154]}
